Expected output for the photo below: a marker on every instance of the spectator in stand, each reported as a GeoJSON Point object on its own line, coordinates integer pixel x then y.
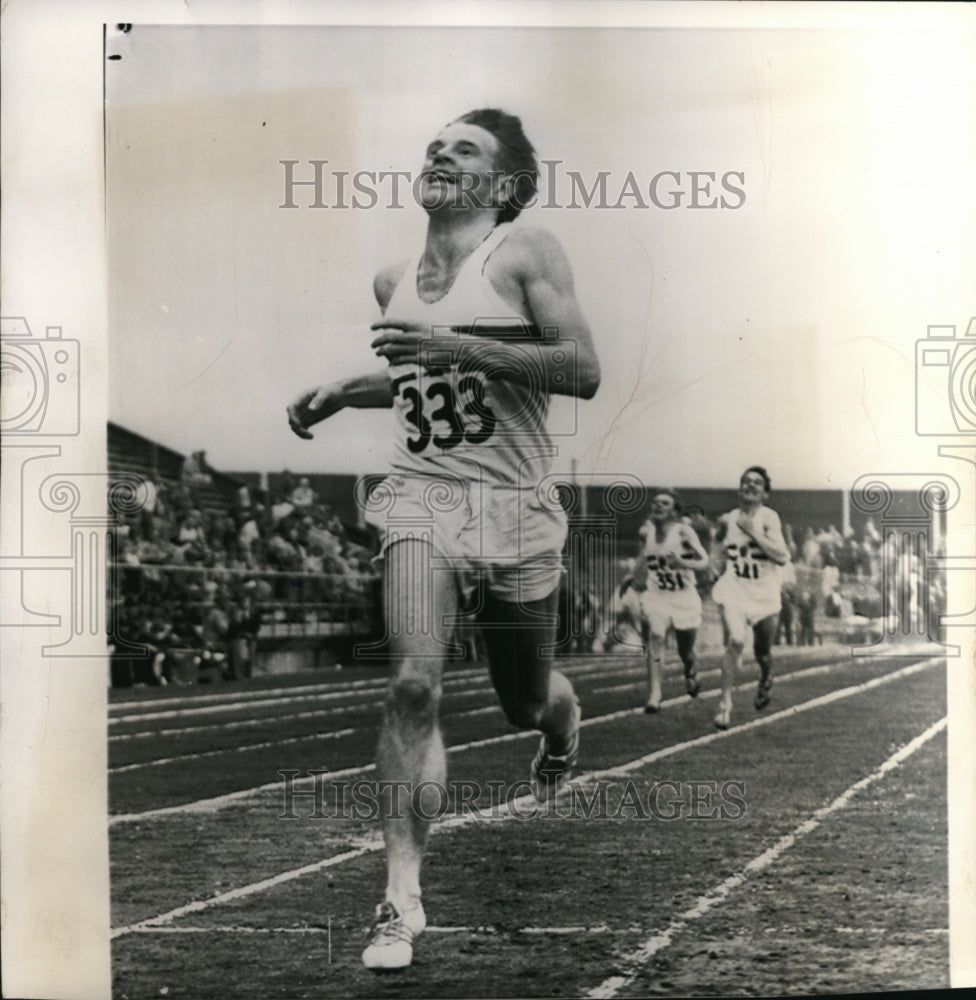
{"type": "Point", "coordinates": [195, 472]}
{"type": "Point", "coordinates": [830, 576]}
{"type": "Point", "coordinates": [785, 630]}
{"type": "Point", "coordinates": [148, 511]}
{"type": "Point", "coordinates": [281, 510]}
{"type": "Point", "coordinates": [242, 632]}
{"type": "Point", "coordinates": [190, 537]}
{"type": "Point", "coordinates": [871, 533]}
{"type": "Point", "coordinates": [215, 626]}
{"type": "Point", "coordinates": [791, 545]}
{"type": "Point", "coordinates": [868, 565]}
{"type": "Point", "coordinates": [249, 537]}
{"type": "Point", "coordinates": [810, 550]}
{"type": "Point", "coordinates": [303, 495]}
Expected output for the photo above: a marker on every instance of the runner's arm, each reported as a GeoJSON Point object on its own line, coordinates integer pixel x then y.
{"type": "Point", "coordinates": [768, 536]}
{"type": "Point", "coordinates": [692, 555]}
{"type": "Point", "coordinates": [371, 391]}
{"type": "Point", "coordinates": [719, 557]}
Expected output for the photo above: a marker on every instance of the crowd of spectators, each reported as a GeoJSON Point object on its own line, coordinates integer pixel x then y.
{"type": "Point", "coordinates": [852, 583]}
{"type": "Point", "coordinates": [859, 579]}
{"type": "Point", "coordinates": [195, 577]}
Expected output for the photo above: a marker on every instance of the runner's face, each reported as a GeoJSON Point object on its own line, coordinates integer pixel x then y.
{"type": "Point", "coordinates": [752, 488]}
{"type": "Point", "coordinates": [662, 507]}
{"type": "Point", "coordinates": [460, 169]}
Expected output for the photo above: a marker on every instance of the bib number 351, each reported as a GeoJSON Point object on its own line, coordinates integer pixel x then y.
{"type": "Point", "coordinates": [462, 415]}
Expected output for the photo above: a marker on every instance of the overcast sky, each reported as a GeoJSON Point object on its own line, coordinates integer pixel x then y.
{"type": "Point", "coordinates": [780, 331]}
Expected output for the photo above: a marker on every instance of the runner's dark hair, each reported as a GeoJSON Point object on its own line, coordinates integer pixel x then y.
{"type": "Point", "coordinates": [516, 156]}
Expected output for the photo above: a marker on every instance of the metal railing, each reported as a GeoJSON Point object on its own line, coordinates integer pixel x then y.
{"type": "Point", "coordinates": [290, 603]}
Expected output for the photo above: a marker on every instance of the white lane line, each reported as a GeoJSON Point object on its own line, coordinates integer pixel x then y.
{"type": "Point", "coordinates": [373, 842]}
{"type": "Point", "coordinates": [599, 662]}
{"type": "Point", "coordinates": [702, 674]}
{"type": "Point", "coordinates": [271, 720]}
{"type": "Point", "coordinates": [182, 758]}
{"type": "Point", "coordinates": [244, 929]}
{"type": "Point", "coordinates": [247, 890]}
{"type": "Point", "coordinates": [224, 725]}
{"type": "Point", "coordinates": [186, 712]}
{"type": "Point", "coordinates": [371, 706]}
{"type": "Point", "coordinates": [237, 706]}
{"type": "Point", "coordinates": [220, 801]}
{"type": "Point", "coordinates": [763, 720]}
{"type": "Point", "coordinates": [636, 960]}
{"type": "Point", "coordinates": [224, 697]}
{"type": "Point", "coordinates": [321, 694]}
{"type": "Point", "coordinates": [242, 696]}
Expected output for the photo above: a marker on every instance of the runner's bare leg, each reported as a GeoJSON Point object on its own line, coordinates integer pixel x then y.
{"type": "Point", "coordinates": [655, 661]}
{"type": "Point", "coordinates": [411, 749]}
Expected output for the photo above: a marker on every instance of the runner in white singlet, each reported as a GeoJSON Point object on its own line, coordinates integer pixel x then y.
{"type": "Point", "coordinates": [750, 549]}
{"type": "Point", "coordinates": [477, 333]}
{"type": "Point", "coordinates": [663, 593]}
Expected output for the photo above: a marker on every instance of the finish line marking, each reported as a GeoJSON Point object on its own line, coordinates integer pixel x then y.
{"type": "Point", "coordinates": [244, 929]}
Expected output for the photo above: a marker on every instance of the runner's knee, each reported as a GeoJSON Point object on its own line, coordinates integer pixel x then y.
{"type": "Point", "coordinates": [413, 695]}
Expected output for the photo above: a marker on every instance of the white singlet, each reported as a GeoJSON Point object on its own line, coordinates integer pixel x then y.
{"type": "Point", "coordinates": [671, 597]}
{"type": "Point", "coordinates": [661, 576]}
{"type": "Point", "coordinates": [751, 581]}
{"type": "Point", "coordinates": [470, 451]}
{"type": "Point", "coordinates": [461, 424]}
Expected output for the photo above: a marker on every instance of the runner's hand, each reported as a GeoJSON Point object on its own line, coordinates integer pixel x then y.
{"type": "Point", "coordinates": [407, 343]}
{"type": "Point", "coordinates": [310, 408]}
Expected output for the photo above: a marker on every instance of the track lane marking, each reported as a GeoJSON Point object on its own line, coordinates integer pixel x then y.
{"type": "Point", "coordinates": [245, 929]}
{"type": "Point", "coordinates": [219, 801]}
{"type": "Point", "coordinates": [179, 758]}
{"type": "Point", "coordinates": [636, 960]}
{"type": "Point", "coordinates": [763, 720]}
{"type": "Point", "coordinates": [183, 758]}
{"type": "Point", "coordinates": [371, 843]}
{"type": "Point", "coordinates": [270, 720]}
{"type": "Point", "coordinates": [325, 693]}
{"type": "Point", "coordinates": [569, 665]}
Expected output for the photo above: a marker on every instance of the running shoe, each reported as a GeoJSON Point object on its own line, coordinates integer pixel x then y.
{"type": "Point", "coordinates": [723, 718]}
{"type": "Point", "coordinates": [762, 692]}
{"type": "Point", "coordinates": [692, 683]}
{"type": "Point", "coordinates": [549, 773]}
{"type": "Point", "coordinates": [652, 706]}
{"type": "Point", "coordinates": [391, 937]}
